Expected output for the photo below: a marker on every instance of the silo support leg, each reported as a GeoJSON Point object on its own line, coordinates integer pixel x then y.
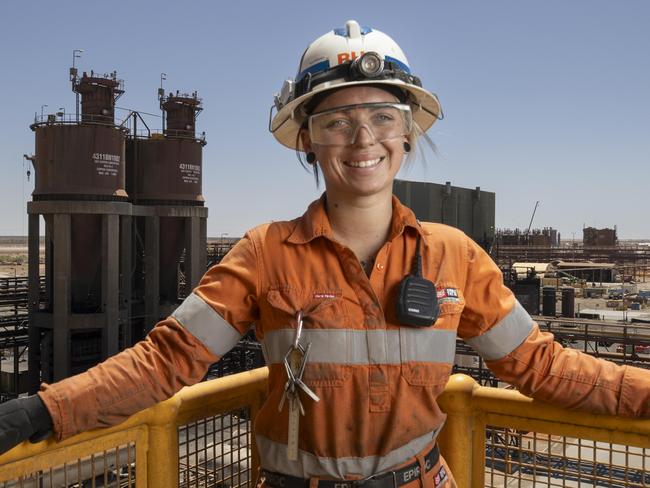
{"type": "Point", "coordinates": [126, 263]}
{"type": "Point", "coordinates": [34, 374]}
{"type": "Point", "coordinates": [62, 299]}
{"type": "Point", "coordinates": [110, 283]}
{"type": "Point", "coordinates": [152, 271]}
{"type": "Point", "coordinates": [193, 248]}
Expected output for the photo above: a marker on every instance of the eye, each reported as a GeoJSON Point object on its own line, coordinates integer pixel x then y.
{"type": "Point", "coordinates": [337, 124]}
{"type": "Point", "coordinates": [383, 118]}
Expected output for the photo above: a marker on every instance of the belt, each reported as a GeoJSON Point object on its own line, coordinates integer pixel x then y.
{"type": "Point", "coordinates": [389, 479]}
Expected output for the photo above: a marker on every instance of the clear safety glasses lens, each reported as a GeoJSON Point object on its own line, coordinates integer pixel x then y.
{"type": "Point", "coordinates": [340, 126]}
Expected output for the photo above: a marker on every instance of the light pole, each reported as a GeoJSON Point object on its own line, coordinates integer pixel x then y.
{"type": "Point", "coordinates": [161, 98]}
{"type": "Point", "coordinates": [76, 54]}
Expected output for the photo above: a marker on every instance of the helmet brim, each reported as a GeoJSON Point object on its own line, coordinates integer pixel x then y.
{"type": "Point", "coordinates": [287, 121]}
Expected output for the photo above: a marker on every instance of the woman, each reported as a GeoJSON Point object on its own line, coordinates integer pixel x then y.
{"type": "Point", "coordinates": [356, 303]}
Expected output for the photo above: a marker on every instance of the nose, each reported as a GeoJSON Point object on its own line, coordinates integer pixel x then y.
{"type": "Point", "coordinates": [363, 136]}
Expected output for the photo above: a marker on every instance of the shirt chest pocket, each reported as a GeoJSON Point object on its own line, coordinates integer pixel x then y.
{"type": "Point", "coordinates": [427, 353]}
{"type": "Point", "coordinates": [325, 320]}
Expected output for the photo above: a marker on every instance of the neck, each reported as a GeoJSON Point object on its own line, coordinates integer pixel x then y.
{"type": "Point", "coordinates": [361, 223]}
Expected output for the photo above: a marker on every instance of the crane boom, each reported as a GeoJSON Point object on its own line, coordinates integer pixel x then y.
{"type": "Point", "coordinates": [532, 217]}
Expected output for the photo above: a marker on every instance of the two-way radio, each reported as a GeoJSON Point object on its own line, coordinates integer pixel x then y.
{"type": "Point", "coordinates": [417, 301]}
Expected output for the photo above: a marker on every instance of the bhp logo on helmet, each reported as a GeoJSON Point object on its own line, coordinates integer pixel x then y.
{"type": "Point", "coordinates": [351, 56]}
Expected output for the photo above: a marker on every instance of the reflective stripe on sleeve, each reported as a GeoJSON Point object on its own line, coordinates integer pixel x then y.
{"type": "Point", "coordinates": [206, 324]}
{"type": "Point", "coordinates": [349, 346]}
{"type": "Point", "coordinates": [506, 336]}
{"type": "Point", "coordinates": [273, 457]}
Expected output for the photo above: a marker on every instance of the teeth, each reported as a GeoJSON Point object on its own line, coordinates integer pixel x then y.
{"type": "Point", "coordinates": [363, 164]}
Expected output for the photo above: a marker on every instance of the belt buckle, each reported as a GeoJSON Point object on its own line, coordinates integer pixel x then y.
{"type": "Point", "coordinates": [376, 477]}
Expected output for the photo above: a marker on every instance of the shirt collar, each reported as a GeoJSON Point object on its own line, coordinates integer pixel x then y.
{"type": "Point", "coordinates": [315, 223]}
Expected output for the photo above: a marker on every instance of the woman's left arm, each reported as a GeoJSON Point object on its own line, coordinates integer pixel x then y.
{"type": "Point", "coordinates": [514, 348]}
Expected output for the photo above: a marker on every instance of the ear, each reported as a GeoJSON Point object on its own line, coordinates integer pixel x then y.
{"type": "Point", "coordinates": [305, 140]}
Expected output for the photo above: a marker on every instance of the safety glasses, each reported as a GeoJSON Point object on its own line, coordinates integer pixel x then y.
{"type": "Point", "coordinates": [340, 126]}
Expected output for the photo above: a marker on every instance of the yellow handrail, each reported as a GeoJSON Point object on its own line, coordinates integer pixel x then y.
{"type": "Point", "coordinates": [154, 432]}
{"type": "Point", "coordinates": [469, 407]}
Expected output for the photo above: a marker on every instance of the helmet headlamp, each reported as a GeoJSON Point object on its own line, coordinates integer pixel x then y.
{"type": "Point", "coordinates": [369, 65]}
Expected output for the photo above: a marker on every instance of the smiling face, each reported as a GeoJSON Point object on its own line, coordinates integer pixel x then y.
{"type": "Point", "coordinates": [365, 167]}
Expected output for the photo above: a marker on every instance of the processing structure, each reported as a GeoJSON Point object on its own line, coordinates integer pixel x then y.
{"type": "Point", "coordinates": [120, 203]}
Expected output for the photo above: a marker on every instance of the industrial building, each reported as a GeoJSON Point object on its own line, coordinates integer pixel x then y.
{"type": "Point", "coordinates": [599, 237]}
{"type": "Point", "coordinates": [470, 210]}
{"type": "Point", "coordinates": [581, 270]}
{"type": "Point", "coordinates": [536, 237]}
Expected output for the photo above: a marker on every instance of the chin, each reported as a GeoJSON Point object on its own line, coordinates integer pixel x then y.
{"type": "Point", "coordinates": [370, 190]}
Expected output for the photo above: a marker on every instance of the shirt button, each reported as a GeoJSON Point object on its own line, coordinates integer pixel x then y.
{"type": "Point", "coordinates": [380, 266]}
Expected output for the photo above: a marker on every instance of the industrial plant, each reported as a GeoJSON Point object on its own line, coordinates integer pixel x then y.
{"type": "Point", "coordinates": [125, 240]}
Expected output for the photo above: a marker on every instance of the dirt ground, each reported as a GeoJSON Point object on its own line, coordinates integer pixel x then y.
{"type": "Point", "coordinates": [13, 257]}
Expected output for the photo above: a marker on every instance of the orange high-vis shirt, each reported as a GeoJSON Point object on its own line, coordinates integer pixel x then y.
{"type": "Point", "coordinates": [377, 380]}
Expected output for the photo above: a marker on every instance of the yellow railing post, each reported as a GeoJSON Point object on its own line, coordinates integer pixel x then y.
{"type": "Point", "coordinates": [162, 458]}
{"type": "Point", "coordinates": [457, 435]}
{"type": "Point", "coordinates": [255, 455]}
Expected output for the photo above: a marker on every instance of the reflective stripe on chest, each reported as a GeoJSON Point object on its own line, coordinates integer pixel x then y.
{"type": "Point", "coordinates": [348, 346]}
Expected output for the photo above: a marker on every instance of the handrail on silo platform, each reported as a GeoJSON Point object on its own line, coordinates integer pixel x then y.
{"type": "Point", "coordinates": [71, 119]}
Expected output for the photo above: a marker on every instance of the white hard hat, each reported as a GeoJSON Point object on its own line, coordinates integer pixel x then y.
{"type": "Point", "coordinates": [353, 55]}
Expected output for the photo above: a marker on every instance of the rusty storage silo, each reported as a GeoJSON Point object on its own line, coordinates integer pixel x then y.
{"type": "Point", "coordinates": [164, 180]}
{"type": "Point", "coordinates": [80, 191]}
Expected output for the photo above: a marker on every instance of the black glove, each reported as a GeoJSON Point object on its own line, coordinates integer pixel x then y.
{"type": "Point", "coordinates": [21, 419]}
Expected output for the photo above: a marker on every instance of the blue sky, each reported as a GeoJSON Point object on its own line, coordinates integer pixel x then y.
{"type": "Point", "coordinates": [546, 100]}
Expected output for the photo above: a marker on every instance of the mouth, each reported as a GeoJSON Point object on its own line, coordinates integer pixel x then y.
{"type": "Point", "coordinates": [367, 163]}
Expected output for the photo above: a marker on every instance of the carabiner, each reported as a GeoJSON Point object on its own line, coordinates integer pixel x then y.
{"type": "Point", "coordinates": [296, 339]}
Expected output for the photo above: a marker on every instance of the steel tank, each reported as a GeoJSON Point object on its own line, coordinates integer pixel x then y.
{"type": "Point", "coordinates": [548, 301]}
{"type": "Point", "coordinates": [568, 302]}
{"type": "Point", "coordinates": [167, 168]}
{"type": "Point", "coordinates": [79, 161]}
{"type": "Point", "coordinates": [83, 159]}
{"type": "Point", "coordinates": [165, 171]}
